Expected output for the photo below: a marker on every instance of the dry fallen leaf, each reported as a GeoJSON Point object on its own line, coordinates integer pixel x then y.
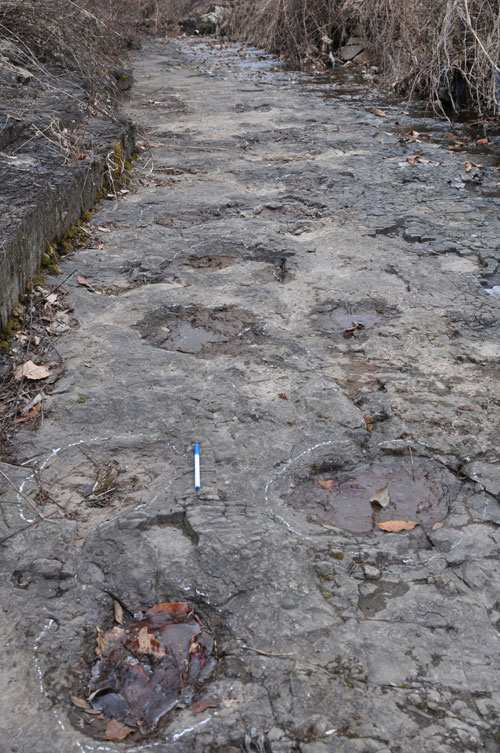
{"type": "Point", "coordinates": [411, 160]}
{"type": "Point", "coordinates": [282, 396]}
{"type": "Point", "coordinates": [482, 141]}
{"type": "Point", "coordinates": [204, 704]}
{"type": "Point", "coordinates": [381, 497]}
{"type": "Point", "coordinates": [80, 703]}
{"type": "Point", "coordinates": [31, 371]}
{"type": "Point", "coordinates": [83, 281]}
{"type": "Point", "coordinates": [105, 229]}
{"type": "Point", "coordinates": [118, 611]}
{"type": "Point", "coordinates": [331, 485]}
{"type": "Point", "coordinates": [30, 414]}
{"type": "Point", "coordinates": [79, 542]}
{"type": "Point", "coordinates": [393, 526]}
{"type": "Point", "coordinates": [470, 165]}
{"type": "Point", "coordinates": [436, 526]}
{"type": "Point", "coordinates": [380, 113]}
{"type": "Point", "coordinates": [369, 423]}
{"type": "Point", "coordinates": [117, 731]}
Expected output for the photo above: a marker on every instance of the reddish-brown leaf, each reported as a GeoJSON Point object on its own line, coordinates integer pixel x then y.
{"type": "Point", "coordinates": [204, 704]}
{"type": "Point", "coordinates": [117, 731]}
{"type": "Point", "coordinates": [331, 485]}
{"type": "Point", "coordinates": [369, 423]}
{"type": "Point", "coordinates": [482, 141]}
{"type": "Point", "coordinates": [30, 414]}
{"type": "Point", "coordinates": [85, 283]}
{"type": "Point", "coordinates": [393, 526]}
{"type": "Point", "coordinates": [176, 609]}
{"type": "Point", "coordinates": [282, 396]}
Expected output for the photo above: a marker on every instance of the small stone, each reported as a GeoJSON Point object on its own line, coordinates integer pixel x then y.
{"type": "Point", "coordinates": [324, 568]}
{"type": "Point", "coordinates": [415, 699]}
{"type": "Point", "coordinates": [372, 573]}
{"type": "Point", "coordinates": [275, 733]}
{"type": "Point", "coordinates": [433, 699]}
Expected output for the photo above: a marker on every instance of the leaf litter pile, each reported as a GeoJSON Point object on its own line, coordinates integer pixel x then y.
{"type": "Point", "coordinates": [29, 362]}
{"type": "Point", "coordinates": [144, 669]}
{"type": "Point", "coordinates": [392, 494]}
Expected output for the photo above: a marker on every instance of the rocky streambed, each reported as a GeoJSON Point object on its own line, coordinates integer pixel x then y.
{"type": "Point", "coordinates": [297, 282]}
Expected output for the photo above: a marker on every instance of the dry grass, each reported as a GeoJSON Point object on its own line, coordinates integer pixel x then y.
{"type": "Point", "coordinates": [88, 37]}
{"type": "Point", "coordinates": [426, 47]}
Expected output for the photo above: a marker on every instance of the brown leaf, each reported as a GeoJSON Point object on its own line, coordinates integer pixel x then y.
{"type": "Point", "coordinates": [411, 160]}
{"type": "Point", "coordinates": [176, 609]}
{"type": "Point", "coordinates": [282, 396]}
{"type": "Point", "coordinates": [83, 281]}
{"type": "Point", "coordinates": [369, 423]}
{"type": "Point", "coordinates": [331, 485]}
{"type": "Point", "coordinates": [468, 166]}
{"type": "Point", "coordinates": [117, 731]}
{"type": "Point", "coordinates": [381, 497]}
{"type": "Point", "coordinates": [80, 703]}
{"type": "Point", "coordinates": [203, 704]}
{"type": "Point", "coordinates": [380, 113]}
{"type": "Point", "coordinates": [482, 141]}
{"type": "Point", "coordinates": [148, 644]}
{"type": "Point", "coordinates": [31, 371]}
{"type": "Point", "coordinates": [393, 526]}
{"type": "Point", "coordinates": [437, 525]}
{"type": "Point", "coordinates": [30, 414]}
{"type": "Point", "coordinates": [79, 542]}
{"type": "Point", "coordinates": [118, 611]}
{"type": "Point", "coordinates": [449, 135]}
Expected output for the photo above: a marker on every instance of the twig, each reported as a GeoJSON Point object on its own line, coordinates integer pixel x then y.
{"type": "Point", "coordinates": [103, 494]}
{"type": "Point", "coordinates": [28, 501]}
{"type": "Point", "coordinates": [24, 528]}
{"type": "Point", "coordinates": [65, 280]}
{"type": "Point", "coordinates": [412, 464]}
{"type": "Point", "coordinates": [258, 650]}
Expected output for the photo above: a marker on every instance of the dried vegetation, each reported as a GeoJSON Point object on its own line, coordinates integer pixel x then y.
{"type": "Point", "coordinates": [445, 50]}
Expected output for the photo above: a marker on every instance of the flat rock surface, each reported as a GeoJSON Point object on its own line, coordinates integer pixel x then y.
{"type": "Point", "coordinates": [282, 286]}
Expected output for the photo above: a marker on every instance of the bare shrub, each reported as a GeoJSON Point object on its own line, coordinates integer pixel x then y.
{"type": "Point", "coordinates": [85, 36]}
{"type": "Point", "coordinates": [426, 47]}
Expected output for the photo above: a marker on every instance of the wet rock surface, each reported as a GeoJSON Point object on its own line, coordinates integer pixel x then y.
{"type": "Point", "coordinates": [332, 634]}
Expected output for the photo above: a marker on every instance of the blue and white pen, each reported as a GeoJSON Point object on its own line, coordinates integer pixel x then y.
{"type": "Point", "coordinates": [197, 482]}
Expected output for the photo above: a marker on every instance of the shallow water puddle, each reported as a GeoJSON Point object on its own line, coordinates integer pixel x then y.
{"type": "Point", "coordinates": [390, 489]}
{"type": "Point", "coordinates": [145, 668]}
{"type": "Point", "coordinates": [199, 330]}
{"type": "Point", "coordinates": [350, 320]}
